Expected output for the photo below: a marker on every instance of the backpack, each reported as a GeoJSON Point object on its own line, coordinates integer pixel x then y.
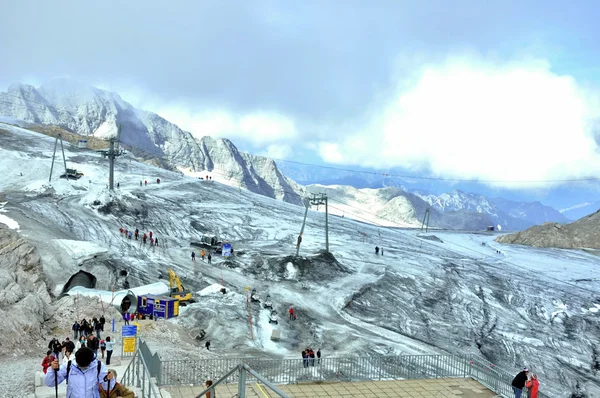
{"type": "Point", "coordinates": [69, 369]}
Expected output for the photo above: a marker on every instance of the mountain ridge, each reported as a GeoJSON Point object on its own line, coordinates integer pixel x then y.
{"type": "Point", "coordinates": [90, 111]}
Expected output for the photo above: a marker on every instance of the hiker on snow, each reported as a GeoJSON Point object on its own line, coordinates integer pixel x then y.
{"type": "Point", "coordinates": [83, 375]}
{"type": "Point", "coordinates": [193, 256]}
{"type": "Point", "coordinates": [209, 258]}
{"type": "Point", "coordinates": [376, 249]}
{"type": "Point", "coordinates": [144, 238]}
{"type": "Point", "coordinates": [292, 314]}
{"type": "Point", "coordinates": [137, 233]}
{"type": "Point", "coordinates": [202, 254]}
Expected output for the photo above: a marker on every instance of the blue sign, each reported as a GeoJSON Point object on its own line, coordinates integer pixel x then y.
{"type": "Point", "coordinates": [129, 331]}
{"type": "Point", "coordinates": [226, 248]}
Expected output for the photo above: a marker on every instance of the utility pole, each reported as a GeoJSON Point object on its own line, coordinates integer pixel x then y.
{"type": "Point", "coordinates": [58, 137]}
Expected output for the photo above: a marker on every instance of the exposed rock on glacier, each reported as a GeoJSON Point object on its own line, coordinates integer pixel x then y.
{"type": "Point", "coordinates": [583, 233]}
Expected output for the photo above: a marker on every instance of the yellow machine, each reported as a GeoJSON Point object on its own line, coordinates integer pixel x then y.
{"type": "Point", "coordinates": [178, 291]}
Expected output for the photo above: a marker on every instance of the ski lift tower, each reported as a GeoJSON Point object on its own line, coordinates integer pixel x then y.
{"type": "Point", "coordinates": [315, 200]}
{"type": "Point", "coordinates": [112, 153]}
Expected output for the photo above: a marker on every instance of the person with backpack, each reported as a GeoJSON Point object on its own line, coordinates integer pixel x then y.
{"type": "Point", "coordinates": [82, 375]}
{"type": "Point", "coordinates": [193, 257]}
{"type": "Point", "coordinates": [109, 349]}
{"type": "Point", "coordinates": [209, 258]}
{"type": "Point", "coordinates": [110, 388]}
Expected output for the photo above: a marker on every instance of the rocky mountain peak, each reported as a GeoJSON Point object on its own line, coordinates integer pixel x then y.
{"type": "Point", "coordinates": [87, 110]}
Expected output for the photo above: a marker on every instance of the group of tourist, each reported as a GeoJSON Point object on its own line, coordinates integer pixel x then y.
{"type": "Point", "coordinates": [308, 357]}
{"type": "Point", "coordinates": [87, 327]}
{"type": "Point", "coordinates": [145, 237]}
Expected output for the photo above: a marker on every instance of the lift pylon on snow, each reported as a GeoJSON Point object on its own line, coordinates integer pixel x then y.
{"type": "Point", "coordinates": [58, 137]}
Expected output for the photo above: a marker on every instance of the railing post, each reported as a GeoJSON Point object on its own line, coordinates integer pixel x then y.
{"type": "Point", "coordinates": [137, 372]}
{"type": "Point", "coordinates": [143, 383]}
{"type": "Point", "coordinates": [380, 366]}
{"type": "Point", "coordinates": [158, 370]}
{"type": "Point", "coordinates": [242, 383]}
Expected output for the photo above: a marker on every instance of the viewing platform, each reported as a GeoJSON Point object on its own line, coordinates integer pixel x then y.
{"type": "Point", "coordinates": [438, 388]}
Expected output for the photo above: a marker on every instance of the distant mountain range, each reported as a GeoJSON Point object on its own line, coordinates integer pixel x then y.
{"type": "Point", "coordinates": [375, 197]}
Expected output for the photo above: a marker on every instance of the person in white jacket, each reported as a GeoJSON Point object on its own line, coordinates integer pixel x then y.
{"type": "Point", "coordinates": [69, 356]}
{"type": "Point", "coordinates": [84, 375]}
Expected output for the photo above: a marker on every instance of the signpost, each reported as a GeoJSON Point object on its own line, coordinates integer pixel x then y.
{"type": "Point", "coordinates": [129, 335]}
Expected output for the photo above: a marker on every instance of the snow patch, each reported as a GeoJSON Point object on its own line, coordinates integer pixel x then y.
{"type": "Point", "coordinates": [291, 272]}
{"type": "Point", "coordinates": [212, 289]}
{"type": "Point", "coordinates": [80, 250]}
{"type": "Point", "coordinates": [9, 222]}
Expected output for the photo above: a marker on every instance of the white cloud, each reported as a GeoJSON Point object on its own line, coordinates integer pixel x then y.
{"type": "Point", "coordinates": [469, 118]}
{"type": "Point", "coordinates": [278, 151]}
{"type": "Point", "coordinates": [258, 128]}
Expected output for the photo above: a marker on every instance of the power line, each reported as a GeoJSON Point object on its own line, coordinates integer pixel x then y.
{"type": "Point", "coordinates": [377, 173]}
{"type": "Point", "coordinates": [414, 177]}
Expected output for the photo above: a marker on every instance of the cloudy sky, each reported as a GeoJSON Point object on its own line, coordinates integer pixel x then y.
{"type": "Point", "coordinates": [434, 87]}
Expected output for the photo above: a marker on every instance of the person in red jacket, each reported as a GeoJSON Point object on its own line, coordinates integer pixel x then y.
{"type": "Point", "coordinates": [533, 385]}
{"type": "Point", "coordinates": [291, 311]}
{"type": "Point", "coordinates": [47, 361]}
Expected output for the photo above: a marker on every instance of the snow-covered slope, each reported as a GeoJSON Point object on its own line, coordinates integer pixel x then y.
{"type": "Point", "coordinates": [90, 111]}
{"type": "Point", "coordinates": [394, 207]}
{"type": "Point", "coordinates": [523, 307]}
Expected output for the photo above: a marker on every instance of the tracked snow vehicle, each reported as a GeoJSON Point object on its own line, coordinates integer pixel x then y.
{"type": "Point", "coordinates": [268, 303]}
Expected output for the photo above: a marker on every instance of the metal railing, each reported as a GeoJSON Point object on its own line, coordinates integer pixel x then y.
{"type": "Point", "coordinates": [137, 375]}
{"type": "Point", "coordinates": [291, 371]}
{"type": "Point", "coordinates": [241, 372]}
